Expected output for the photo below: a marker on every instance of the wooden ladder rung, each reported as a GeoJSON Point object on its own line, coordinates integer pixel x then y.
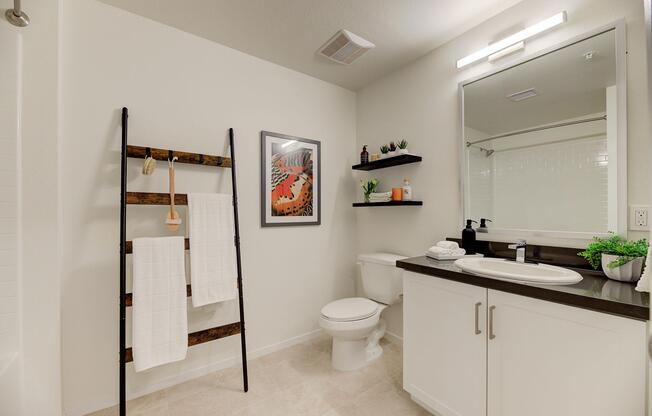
{"type": "Point", "coordinates": [129, 246]}
{"type": "Point", "coordinates": [201, 337]}
{"type": "Point", "coordinates": [129, 297]}
{"type": "Point", "coordinates": [155, 198]}
{"type": "Point", "coordinates": [183, 157]}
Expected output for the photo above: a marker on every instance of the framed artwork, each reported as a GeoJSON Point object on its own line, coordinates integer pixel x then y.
{"type": "Point", "coordinates": [290, 180]}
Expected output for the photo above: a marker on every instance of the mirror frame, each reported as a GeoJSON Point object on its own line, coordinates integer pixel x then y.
{"type": "Point", "coordinates": [569, 238]}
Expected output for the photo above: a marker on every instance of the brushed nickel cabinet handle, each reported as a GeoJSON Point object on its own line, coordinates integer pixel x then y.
{"type": "Point", "coordinates": [491, 322]}
{"type": "Point", "coordinates": [477, 318]}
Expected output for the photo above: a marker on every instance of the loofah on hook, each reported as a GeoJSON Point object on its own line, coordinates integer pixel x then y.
{"type": "Point", "coordinates": [149, 165]}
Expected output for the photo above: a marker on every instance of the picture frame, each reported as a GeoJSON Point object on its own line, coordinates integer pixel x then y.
{"type": "Point", "coordinates": [290, 180]}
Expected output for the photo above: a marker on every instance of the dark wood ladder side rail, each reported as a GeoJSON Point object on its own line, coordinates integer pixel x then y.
{"type": "Point", "coordinates": [201, 337]}
{"type": "Point", "coordinates": [126, 247]}
{"type": "Point", "coordinates": [141, 152]}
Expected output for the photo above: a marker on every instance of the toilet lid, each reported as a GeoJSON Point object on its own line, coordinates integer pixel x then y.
{"type": "Point", "coordinates": [349, 309]}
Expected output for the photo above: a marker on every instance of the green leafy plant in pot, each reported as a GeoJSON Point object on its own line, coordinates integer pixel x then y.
{"type": "Point", "coordinates": [368, 187]}
{"type": "Point", "coordinates": [620, 259]}
{"type": "Point", "coordinates": [384, 151]}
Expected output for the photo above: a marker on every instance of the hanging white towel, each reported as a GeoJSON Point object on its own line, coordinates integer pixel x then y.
{"type": "Point", "coordinates": [160, 313]}
{"type": "Point", "coordinates": [212, 251]}
{"type": "Point", "coordinates": [644, 283]}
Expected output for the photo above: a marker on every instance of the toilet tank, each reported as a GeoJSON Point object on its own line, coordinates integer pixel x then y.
{"type": "Point", "coordinates": [381, 280]}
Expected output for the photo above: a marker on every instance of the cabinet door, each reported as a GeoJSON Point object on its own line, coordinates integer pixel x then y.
{"type": "Point", "coordinates": [444, 360]}
{"type": "Point", "coordinates": [550, 359]}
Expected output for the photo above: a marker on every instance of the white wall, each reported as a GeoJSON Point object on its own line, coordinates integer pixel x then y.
{"type": "Point", "coordinates": [420, 103]}
{"type": "Point", "coordinates": [184, 92]}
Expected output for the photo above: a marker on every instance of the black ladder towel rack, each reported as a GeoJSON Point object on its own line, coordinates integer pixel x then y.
{"type": "Point", "coordinates": [149, 198]}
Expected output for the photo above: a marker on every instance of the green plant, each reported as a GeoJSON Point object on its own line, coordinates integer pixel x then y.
{"type": "Point", "coordinates": [392, 147]}
{"type": "Point", "coordinates": [403, 144]}
{"type": "Point", "coordinates": [369, 187]}
{"type": "Point", "coordinates": [384, 148]}
{"type": "Point", "coordinates": [626, 250]}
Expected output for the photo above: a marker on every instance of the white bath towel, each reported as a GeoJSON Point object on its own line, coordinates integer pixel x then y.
{"type": "Point", "coordinates": [160, 320]}
{"type": "Point", "coordinates": [644, 282]}
{"type": "Point", "coordinates": [448, 245]}
{"type": "Point", "coordinates": [213, 273]}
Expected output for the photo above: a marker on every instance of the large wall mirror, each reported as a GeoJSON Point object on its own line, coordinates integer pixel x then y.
{"type": "Point", "coordinates": [544, 141]}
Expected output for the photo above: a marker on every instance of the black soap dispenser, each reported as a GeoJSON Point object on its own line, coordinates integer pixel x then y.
{"type": "Point", "coordinates": [483, 225]}
{"type": "Point", "coordinates": [468, 237]}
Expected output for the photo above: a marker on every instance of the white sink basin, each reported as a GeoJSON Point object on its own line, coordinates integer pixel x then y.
{"type": "Point", "coordinates": [502, 269]}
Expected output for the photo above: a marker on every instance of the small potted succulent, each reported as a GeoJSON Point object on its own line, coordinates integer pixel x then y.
{"type": "Point", "coordinates": [384, 150]}
{"type": "Point", "coordinates": [392, 149]}
{"type": "Point", "coordinates": [369, 187]}
{"type": "Point", "coordinates": [402, 147]}
{"type": "Point", "coordinates": [621, 259]}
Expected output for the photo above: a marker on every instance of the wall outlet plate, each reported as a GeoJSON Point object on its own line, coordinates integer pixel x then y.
{"type": "Point", "coordinates": [639, 217]}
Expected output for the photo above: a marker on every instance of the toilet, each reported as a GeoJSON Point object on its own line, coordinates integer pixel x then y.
{"type": "Point", "coordinates": [355, 323]}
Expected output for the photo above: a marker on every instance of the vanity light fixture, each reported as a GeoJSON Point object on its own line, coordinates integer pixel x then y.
{"type": "Point", "coordinates": [507, 51]}
{"type": "Point", "coordinates": [514, 39]}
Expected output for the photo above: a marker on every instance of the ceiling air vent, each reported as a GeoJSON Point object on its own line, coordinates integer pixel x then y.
{"type": "Point", "coordinates": [345, 47]}
{"type": "Point", "coordinates": [522, 95]}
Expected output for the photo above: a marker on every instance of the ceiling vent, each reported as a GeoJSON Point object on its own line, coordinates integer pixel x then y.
{"type": "Point", "coordinates": [522, 95]}
{"type": "Point", "coordinates": [345, 47]}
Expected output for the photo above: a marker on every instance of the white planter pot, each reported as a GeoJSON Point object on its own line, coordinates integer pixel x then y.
{"type": "Point", "coordinates": [392, 154]}
{"type": "Point", "coordinates": [403, 151]}
{"type": "Point", "coordinates": [383, 156]}
{"type": "Point", "coordinates": [628, 272]}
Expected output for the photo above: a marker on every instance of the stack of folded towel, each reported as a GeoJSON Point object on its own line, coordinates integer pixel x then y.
{"type": "Point", "coordinates": [380, 196]}
{"type": "Point", "coordinates": [445, 249]}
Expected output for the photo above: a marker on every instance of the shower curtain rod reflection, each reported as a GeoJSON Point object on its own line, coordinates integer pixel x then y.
{"type": "Point", "coordinates": [540, 128]}
{"type": "Point", "coordinates": [17, 16]}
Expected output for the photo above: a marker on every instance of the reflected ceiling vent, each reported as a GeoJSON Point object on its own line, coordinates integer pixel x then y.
{"type": "Point", "coordinates": [345, 47]}
{"type": "Point", "coordinates": [522, 95]}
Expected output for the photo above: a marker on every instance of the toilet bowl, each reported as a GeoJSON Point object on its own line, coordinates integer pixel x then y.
{"type": "Point", "coordinates": [355, 323]}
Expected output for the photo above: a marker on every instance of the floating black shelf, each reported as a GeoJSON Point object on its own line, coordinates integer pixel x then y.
{"type": "Point", "coordinates": [387, 204]}
{"type": "Point", "coordinates": [388, 162]}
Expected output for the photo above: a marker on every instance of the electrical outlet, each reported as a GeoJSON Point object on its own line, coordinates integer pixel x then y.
{"type": "Point", "coordinates": [639, 217]}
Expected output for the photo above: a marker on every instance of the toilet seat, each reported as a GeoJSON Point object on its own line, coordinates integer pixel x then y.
{"type": "Point", "coordinates": [349, 309]}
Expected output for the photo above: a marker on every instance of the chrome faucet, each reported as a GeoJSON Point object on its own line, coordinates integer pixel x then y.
{"type": "Point", "coordinates": [519, 246]}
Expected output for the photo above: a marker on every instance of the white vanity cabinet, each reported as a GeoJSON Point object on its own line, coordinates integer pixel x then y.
{"type": "Point", "coordinates": [444, 354]}
{"type": "Point", "coordinates": [531, 357]}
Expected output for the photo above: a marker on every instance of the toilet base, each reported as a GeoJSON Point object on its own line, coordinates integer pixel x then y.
{"type": "Point", "coordinates": [350, 355]}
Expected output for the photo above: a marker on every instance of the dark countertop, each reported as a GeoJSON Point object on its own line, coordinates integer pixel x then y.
{"type": "Point", "coordinates": [594, 292]}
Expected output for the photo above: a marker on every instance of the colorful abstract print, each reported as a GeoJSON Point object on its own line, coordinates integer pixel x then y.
{"type": "Point", "coordinates": [292, 180]}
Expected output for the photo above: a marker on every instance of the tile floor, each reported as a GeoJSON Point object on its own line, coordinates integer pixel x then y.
{"type": "Point", "coordinates": [298, 380]}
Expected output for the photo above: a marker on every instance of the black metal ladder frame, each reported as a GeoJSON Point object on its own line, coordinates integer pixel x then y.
{"type": "Point", "coordinates": [123, 261]}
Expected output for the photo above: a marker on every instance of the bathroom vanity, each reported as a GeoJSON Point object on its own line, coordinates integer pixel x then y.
{"type": "Point", "coordinates": [476, 346]}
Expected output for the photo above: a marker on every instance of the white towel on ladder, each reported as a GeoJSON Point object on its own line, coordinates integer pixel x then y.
{"type": "Point", "coordinates": [160, 312]}
{"type": "Point", "coordinates": [213, 274]}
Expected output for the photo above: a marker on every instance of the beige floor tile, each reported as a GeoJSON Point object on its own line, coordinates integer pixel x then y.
{"type": "Point", "coordinates": [298, 380]}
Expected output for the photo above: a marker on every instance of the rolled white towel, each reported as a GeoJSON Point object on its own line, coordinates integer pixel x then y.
{"type": "Point", "coordinates": [644, 283]}
{"type": "Point", "coordinates": [380, 195]}
{"type": "Point", "coordinates": [439, 251]}
{"type": "Point", "coordinates": [448, 245]}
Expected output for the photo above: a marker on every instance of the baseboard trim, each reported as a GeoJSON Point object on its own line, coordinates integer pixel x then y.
{"type": "Point", "coordinates": [200, 371]}
{"type": "Point", "coordinates": [393, 338]}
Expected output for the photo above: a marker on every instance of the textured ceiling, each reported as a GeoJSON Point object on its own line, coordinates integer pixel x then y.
{"type": "Point", "coordinates": [289, 32]}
